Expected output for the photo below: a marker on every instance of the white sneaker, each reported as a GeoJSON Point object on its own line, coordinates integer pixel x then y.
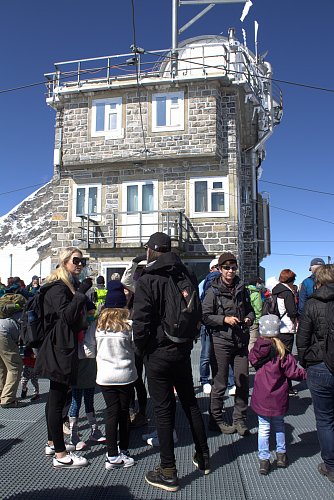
{"type": "Point", "coordinates": [50, 450]}
{"type": "Point", "coordinates": [121, 460]}
{"type": "Point", "coordinates": [70, 461]}
{"type": "Point", "coordinates": [153, 434]}
{"type": "Point", "coordinates": [207, 388]}
{"type": "Point", "coordinates": [232, 391]}
{"type": "Point", "coordinates": [154, 441]}
{"type": "Point", "coordinates": [66, 428]}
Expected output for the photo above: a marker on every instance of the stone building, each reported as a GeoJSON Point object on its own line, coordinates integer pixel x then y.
{"type": "Point", "coordinates": [146, 143]}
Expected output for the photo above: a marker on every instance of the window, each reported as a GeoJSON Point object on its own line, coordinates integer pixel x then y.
{"type": "Point", "coordinates": [139, 197]}
{"type": "Point", "coordinates": [87, 201]}
{"type": "Point", "coordinates": [107, 117]}
{"type": "Point", "coordinates": [209, 197]}
{"type": "Point", "coordinates": [168, 111]}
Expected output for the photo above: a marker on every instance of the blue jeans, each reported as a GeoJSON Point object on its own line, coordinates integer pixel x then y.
{"type": "Point", "coordinates": [264, 433]}
{"type": "Point", "coordinates": [204, 360]}
{"type": "Point", "coordinates": [320, 381]}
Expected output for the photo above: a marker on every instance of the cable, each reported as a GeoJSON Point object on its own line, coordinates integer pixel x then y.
{"type": "Point", "coordinates": [23, 188]}
{"type": "Point", "coordinates": [296, 187]}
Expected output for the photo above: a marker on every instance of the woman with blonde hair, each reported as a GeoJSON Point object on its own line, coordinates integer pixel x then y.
{"type": "Point", "coordinates": [64, 303]}
{"type": "Point", "coordinates": [313, 344]}
{"type": "Point", "coordinates": [274, 366]}
{"type": "Point", "coordinates": [116, 372]}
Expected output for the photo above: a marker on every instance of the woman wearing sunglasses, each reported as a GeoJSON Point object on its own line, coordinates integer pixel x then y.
{"type": "Point", "coordinates": [64, 311]}
{"type": "Point", "coordinates": [228, 313]}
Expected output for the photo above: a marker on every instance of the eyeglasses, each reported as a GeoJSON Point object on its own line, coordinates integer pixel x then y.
{"type": "Point", "coordinates": [77, 261]}
{"type": "Point", "coordinates": [229, 268]}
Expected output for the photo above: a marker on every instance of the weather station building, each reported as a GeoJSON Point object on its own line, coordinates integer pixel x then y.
{"type": "Point", "coordinates": [168, 141]}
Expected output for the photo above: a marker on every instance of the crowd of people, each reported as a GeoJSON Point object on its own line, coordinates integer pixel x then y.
{"type": "Point", "coordinates": [105, 336]}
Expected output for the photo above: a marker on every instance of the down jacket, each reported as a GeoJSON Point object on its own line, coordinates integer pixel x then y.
{"type": "Point", "coordinates": [270, 396]}
{"type": "Point", "coordinates": [219, 302]}
{"type": "Point", "coordinates": [312, 326]}
{"type": "Point", "coordinates": [64, 317]}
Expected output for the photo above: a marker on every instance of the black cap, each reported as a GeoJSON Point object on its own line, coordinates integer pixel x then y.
{"type": "Point", "coordinates": [159, 242]}
{"type": "Point", "coordinates": [226, 256]}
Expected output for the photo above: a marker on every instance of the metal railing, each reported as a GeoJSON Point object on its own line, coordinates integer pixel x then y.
{"type": "Point", "coordinates": [132, 229]}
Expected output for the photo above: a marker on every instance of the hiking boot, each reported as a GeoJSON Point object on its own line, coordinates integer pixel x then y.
{"type": "Point", "coordinates": [322, 468]}
{"type": "Point", "coordinates": [202, 462]}
{"type": "Point", "coordinates": [164, 478]}
{"type": "Point", "coordinates": [222, 427]}
{"type": "Point", "coordinates": [138, 420]}
{"type": "Point", "coordinates": [70, 461]}
{"type": "Point", "coordinates": [242, 428]}
{"type": "Point", "coordinates": [119, 461]}
{"type": "Point", "coordinates": [264, 467]}
{"type": "Point", "coordinates": [281, 460]}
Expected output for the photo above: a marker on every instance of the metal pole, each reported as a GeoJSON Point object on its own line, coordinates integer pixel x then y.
{"type": "Point", "coordinates": [10, 264]}
{"type": "Point", "coordinates": [174, 53]}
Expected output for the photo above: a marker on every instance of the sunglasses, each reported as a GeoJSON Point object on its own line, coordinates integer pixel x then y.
{"type": "Point", "coordinates": [229, 268]}
{"type": "Point", "coordinates": [77, 261]}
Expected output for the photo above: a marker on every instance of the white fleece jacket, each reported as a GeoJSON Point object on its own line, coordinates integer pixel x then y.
{"type": "Point", "coordinates": [115, 358]}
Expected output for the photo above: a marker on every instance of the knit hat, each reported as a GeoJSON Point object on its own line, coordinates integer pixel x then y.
{"type": "Point", "coordinates": [316, 262]}
{"type": "Point", "coordinates": [100, 280]}
{"type": "Point", "coordinates": [269, 325]}
{"type": "Point", "coordinates": [213, 263]}
{"type": "Point", "coordinates": [224, 257]}
{"type": "Point", "coordinates": [35, 277]}
{"type": "Point", "coordinates": [160, 242]}
{"type": "Point", "coordinates": [115, 296]}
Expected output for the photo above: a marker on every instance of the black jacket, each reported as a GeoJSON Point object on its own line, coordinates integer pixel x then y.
{"type": "Point", "coordinates": [149, 307]}
{"type": "Point", "coordinates": [312, 326]}
{"type": "Point", "coordinates": [219, 302]}
{"type": "Point", "coordinates": [64, 317]}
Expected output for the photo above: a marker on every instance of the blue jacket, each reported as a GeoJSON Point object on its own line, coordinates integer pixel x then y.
{"type": "Point", "coordinates": [306, 290]}
{"type": "Point", "coordinates": [208, 282]}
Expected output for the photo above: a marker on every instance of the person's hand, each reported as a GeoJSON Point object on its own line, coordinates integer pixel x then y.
{"type": "Point", "coordinates": [85, 285]}
{"type": "Point", "coordinates": [247, 321]}
{"type": "Point", "coordinates": [231, 320]}
{"type": "Point", "coordinates": [139, 258]}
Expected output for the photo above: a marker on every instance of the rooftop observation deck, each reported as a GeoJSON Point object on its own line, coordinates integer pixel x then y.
{"type": "Point", "coordinates": [26, 473]}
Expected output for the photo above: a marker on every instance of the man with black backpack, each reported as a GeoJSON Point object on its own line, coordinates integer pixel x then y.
{"type": "Point", "coordinates": [166, 320]}
{"type": "Point", "coordinates": [227, 311]}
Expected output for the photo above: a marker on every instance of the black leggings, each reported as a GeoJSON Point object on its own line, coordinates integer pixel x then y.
{"type": "Point", "coordinates": [54, 414]}
{"type": "Point", "coordinates": [117, 399]}
{"type": "Point", "coordinates": [140, 388]}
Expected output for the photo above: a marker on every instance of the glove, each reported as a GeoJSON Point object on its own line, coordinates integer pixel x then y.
{"type": "Point", "coordinates": [85, 285]}
{"type": "Point", "coordinates": [139, 258]}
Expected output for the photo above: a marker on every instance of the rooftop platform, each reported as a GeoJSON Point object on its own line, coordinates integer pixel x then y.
{"type": "Point", "coordinates": [26, 473]}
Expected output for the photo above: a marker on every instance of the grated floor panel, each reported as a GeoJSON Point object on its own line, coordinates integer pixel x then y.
{"type": "Point", "coordinates": [26, 473]}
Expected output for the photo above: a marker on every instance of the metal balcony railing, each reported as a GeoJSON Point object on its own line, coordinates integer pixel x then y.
{"type": "Point", "coordinates": [132, 229]}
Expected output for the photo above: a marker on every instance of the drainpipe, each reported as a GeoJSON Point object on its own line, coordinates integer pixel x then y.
{"type": "Point", "coordinates": [174, 53]}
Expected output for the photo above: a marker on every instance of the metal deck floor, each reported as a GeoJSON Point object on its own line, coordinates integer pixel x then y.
{"type": "Point", "coordinates": [26, 473]}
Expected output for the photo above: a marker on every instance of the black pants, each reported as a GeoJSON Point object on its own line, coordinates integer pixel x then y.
{"type": "Point", "coordinates": [140, 388]}
{"type": "Point", "coordinates": [54, 414]}
{"type": "Point", "coordinates": [117, 399]}
{"type": "Point", "coordinates": [225, 353]}
{"type": "Point", "coordinates": [164, 373]}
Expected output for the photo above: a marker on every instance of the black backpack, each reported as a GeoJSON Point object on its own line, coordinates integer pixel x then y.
{"type": "Point", "coordinates": [183, 310]}
{"type": "Point", "coordinates": [328, 349]}
{"type": "Point", "coordinates": [270, 306]}
{"type": "Point", "coordinates": [32, 321]}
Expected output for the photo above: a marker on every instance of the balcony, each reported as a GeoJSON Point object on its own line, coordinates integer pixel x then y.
{"type": "Point", "coordinates": [120, 230]}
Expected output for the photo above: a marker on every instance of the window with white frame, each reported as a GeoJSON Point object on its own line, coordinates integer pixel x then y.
{"type": "Point", "coordinates": [87, 201]}
{"type": "Point", "coordinates": [209, 197]}
{"type": "Point", "coordinates": [139, 196]}
{"type": "Point", "coordinates": [168, 111]}
{"type": "Point", "coordinates": [107, 117]}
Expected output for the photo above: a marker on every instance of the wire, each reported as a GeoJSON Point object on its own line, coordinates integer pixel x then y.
{"type": "Point", "coordinates": [23, 188]}
{"type": "Point", "coordinates": [296, 187]}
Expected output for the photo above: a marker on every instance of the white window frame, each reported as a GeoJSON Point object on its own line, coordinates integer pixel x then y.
{"type": "Point", "coordinates": [114, 133]}
{"type": "Point", "coordinates": [169, 108]}
{"type": "Point", "coordinates": [96, 217]}
{"type": "Point", "coordinates": [210, 190]}
{"type": "Point", "coordinates": [140, 200]}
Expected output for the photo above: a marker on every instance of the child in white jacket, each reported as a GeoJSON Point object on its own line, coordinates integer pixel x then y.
{"type": "Point", "coordinates": [116, 372]}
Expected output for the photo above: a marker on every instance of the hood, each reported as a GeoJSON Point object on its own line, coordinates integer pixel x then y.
{"type": "Point", "coordinates": [280, 287]}
{"type": "Point", "coordinates": [261, 349]}
{"type": "Point", "coordinates": [253, 288]}
{"type": "Point", "coordinates": [168, 262]}
{"type": "Point", "coordinates": [325, 293]}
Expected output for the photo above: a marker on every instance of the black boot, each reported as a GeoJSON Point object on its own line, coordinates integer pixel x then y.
{"type": "Point", "coordinates": [164, 478]}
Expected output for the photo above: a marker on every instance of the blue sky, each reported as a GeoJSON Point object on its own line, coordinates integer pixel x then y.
{"type": "Point", "coordinates": [299, 40]}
